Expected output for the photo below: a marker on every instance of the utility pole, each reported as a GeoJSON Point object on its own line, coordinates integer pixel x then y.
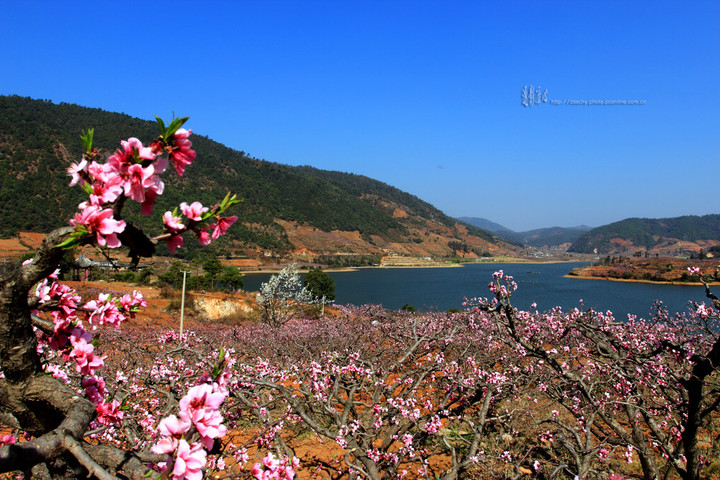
{"type": "Point", "coordinates": [182, 303]}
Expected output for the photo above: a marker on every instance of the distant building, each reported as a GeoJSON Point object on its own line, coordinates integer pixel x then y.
{"type": "Point", "coordinates": [83, 262]}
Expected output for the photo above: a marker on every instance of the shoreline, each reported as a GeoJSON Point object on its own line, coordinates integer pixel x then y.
{"type": "Point", "coordinates": [509, 261]}
{"type": "Point", "coordinates": [635, 280]}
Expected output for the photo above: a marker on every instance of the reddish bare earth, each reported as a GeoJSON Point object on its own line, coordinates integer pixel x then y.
{"type": "Point", "coordinates": [430, 240]}
{"type": "Point", "coordinates": [19, 245]}
{"type": "Point", "coordinates": [661, 269]}
{"type": "Point", "coordinates": [666, 247]}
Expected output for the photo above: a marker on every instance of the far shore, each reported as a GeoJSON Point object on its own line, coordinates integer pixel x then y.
{"type": "Point", "coordinates": [498, 261]}
{"type": "Point", "coordinates": [636, 280]}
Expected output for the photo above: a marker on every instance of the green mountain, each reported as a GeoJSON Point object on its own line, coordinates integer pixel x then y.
{"type": "Point", "coordinates": [674, 236]}
{"type": "Point", "coordinates": [39, 140]}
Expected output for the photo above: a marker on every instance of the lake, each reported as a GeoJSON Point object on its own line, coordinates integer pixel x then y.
{"type": "Point", "coordinates": [444, 288]}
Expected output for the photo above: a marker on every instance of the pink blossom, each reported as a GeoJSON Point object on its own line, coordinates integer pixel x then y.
{"type": "Point", "coordinates": [139, 183]}
{"type": "Point", "coordinates": [271, 462]}
{"type": "Point", "coordinates": [57, 372]}
{"type": "Point", "coordinates": [209, 425]}
{"type": "Point", "coordinates": [87, 361]}
{"type": "Point", "coordinates": [202, 396]}
{"type": "Point", "coordinates": [147, 205]}
{"type": "Point", "coordinates": [220, 228]}
{"type": "Point", "coordinates": [103, 310]}
{"type": "Point", "coordinates": [702, 311]}
{"type": "Point", "coordinates": [200, 407]}
{"type": "Point", "coordinates": [176, 241]}
{"type": "Point", "coordinates": [203, 237]}
{"type": "Point", "coordinates": [94, 389]}
{"type": "Point", "coordinates": [8, 439]}
{"type": "Point", "coordinates": [193, 211]}
{"type": "Point", "coordinates": [42, 291]}
{"type": "Point", "coordinates": [101, 172]}
{"type": "Point", "coordinates": [160, 164]}
{"type": "Point", "coordinates": [137, 180]}
{"type": "Point", "coordinates": [165, 445]}
{"type": "Point", "coordinates": [257, 471]}
{"type": "Point", "coordinates": [106, 191]}
{"type": "Point", "coordinates": [434, 425]}
{"type": "Point", "coordinates": [171, 429]}
{"type": "Point", "coordinates": [275, 469]}
{"type": "Point", "coordinates": [172, 223]}
{"type": "Point", "coordinates": [75, 171]}
{"type": "Point", "coordinates": [132, 303]}
{"type": "Point", "coordinates": [82, 352]}
{"type": "Point", "coordinates": [109, 413]}
{"type": "Point", "coordinates": [181, 153]}
{"type": "Point", "coordinates": [132, 152]}
{"type": "Point", "coordinates": [189, 461]}
{"type": "Point", "coordinates": [101, 223]}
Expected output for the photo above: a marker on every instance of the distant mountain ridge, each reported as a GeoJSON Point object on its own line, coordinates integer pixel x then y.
{"type": "Point", "coordinates": [285, 209]}
{"type": "Point", "coordinates": [541, 237]}
{"type": "Point", "coordinates": [665, 236]}
{"type": "Point", "coordinates": [485, 224]}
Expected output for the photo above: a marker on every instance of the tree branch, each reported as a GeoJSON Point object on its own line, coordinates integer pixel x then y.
{"type": "Point", "coordinates": [85, 460]}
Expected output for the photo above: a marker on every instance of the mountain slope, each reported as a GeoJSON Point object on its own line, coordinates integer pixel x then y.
{"type": "Point", "coordinates": [39, 139]}
{"type": "Point", "coordinates": [665, 236]}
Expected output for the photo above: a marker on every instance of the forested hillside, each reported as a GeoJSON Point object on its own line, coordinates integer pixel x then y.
{"type": "Point", "coordinates": [663, 236]}
{"type": "Point", "coordinates": [39, 139]}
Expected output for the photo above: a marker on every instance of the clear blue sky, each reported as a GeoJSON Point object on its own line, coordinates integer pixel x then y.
{"type": "Point", "coordinates": [423, 95]}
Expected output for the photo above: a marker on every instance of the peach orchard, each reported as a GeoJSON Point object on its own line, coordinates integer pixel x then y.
{"type": "Point", "coordinates": [488, 392]}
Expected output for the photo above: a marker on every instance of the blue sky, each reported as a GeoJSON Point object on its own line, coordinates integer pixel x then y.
{"type": "Point", "coordinates": [422, 95]}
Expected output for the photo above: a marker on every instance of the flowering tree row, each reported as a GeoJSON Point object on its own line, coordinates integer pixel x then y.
{"type": "Point", "coordinates": [646, 388]}
{"type": "Point", "coordinates": [492, 391]}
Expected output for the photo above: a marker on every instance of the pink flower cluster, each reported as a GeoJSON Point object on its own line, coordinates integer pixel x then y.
{"type": "Point", "coordinates": [99, 222]}
{"type": "Point", "coordinates": [133, 171]}
{"type": "Point", "coordinates": [75, 343]}
{"type": "Point", "coordinates": [197, 221]}
{"type": "Point", "coordinates": [502, 284]}
{"type": "Point", "coordinates": [272, 468]}
{"type": "Point", "coordinates": [188, 436]}
{"type": "Point", "coordinates": [179, 149]}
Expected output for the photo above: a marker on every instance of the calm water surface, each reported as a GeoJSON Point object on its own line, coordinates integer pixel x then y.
{"type": "Point", "coordinates": [545, 284]}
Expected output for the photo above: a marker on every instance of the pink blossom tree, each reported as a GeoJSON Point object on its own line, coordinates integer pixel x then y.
{"type": "Point", "coordinates": [51, 389]}
{"type": "Point", "coordinates": [644, 390]}
{"type": "Point", "coordinates": [391, 390]}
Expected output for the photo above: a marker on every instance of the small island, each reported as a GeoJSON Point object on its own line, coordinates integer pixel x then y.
{"type": "Point", "coordinates": [667, 270]}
